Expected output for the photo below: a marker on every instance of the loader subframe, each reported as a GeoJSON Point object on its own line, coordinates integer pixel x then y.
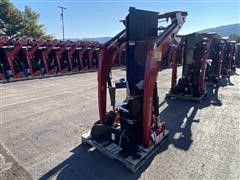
{"type": "Point", "coordinates": [132, 131]}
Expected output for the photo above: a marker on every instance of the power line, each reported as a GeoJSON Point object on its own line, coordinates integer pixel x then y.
{"type": "Point", "coordinates": [62, 18]}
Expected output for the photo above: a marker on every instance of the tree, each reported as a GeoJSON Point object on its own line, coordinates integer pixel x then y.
{"type": "Point", "coordinates": [10, 19]}
{"type": "Point", "coordinates": [30, 24]}
{"type": "Point", "coordinates": [14, 22]}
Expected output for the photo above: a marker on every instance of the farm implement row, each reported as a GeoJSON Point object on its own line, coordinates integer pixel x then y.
{"type": "Point", "coordinates": [25, 58]}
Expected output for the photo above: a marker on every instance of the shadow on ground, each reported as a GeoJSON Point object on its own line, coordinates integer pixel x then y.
{"type": "Point", "coordinates": [226, 81]}
{"type": "Point", "coordinates": [179, 116]}
{"type": "Point", "coordinates": [87, 163]}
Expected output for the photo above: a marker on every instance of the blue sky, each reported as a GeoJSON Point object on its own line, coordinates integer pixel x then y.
{"type": "Point", "coordinates": [100, 18]}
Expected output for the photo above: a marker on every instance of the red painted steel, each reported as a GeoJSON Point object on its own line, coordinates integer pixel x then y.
{"type": "Point", "coordinates": [26, 56]}
{"type": "Point", "coordinates": [11, 56]}
{"type": "Point", "coordinates": [45, 56]}
{"type": "Point", "coordinates": [160, 45]}
{"type": "Point", "coordinates": [105, 62]}
{"type": "Point", "coordinates": [59, 56]}
{"type": "Point", "coordinates": [30, 57]}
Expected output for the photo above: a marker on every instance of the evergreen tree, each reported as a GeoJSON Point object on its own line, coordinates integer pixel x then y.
{"type": "Point", "coordinates": [14, 22]}
{"type": "Point", "coordinates": [10, 19]}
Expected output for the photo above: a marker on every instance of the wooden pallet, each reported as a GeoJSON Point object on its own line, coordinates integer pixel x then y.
{"type": "Point", "coordinates": [111, 150]}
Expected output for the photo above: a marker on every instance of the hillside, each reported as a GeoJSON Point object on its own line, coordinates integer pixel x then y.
{"type": "Point", "coordinates": [225, 30]}
{"type": "Point", "coordinates": [99, 39]}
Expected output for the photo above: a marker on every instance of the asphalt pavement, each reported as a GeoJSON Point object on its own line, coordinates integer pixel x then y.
{"type": "Point", "coordinates": [42, 121]}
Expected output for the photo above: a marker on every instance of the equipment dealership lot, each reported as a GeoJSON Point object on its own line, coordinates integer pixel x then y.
{"type": "Point", "coordinates": [43, 120]}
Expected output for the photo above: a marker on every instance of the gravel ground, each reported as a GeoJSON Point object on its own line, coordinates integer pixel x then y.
{"type": "Point", "coordinates": [42, 122]}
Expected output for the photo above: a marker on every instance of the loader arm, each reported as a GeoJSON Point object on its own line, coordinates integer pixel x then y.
{"type": "Point", "coordinates": [157, 45]}
{"type": "Point", "coordinates": [132, 131]}
{"type": "Point", "coordinates": [158, 49]}
{"type": "Point", "coordinates": [104, 68]}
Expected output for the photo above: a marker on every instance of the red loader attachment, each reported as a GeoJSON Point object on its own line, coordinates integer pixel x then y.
{"type": "Point", "coordinates": [229, 58]}
{"type": "Point", "coordinates": [26, 58]}
{"type": "Point", "coordinates": [132, 131]}
{"type": "Point", "coordinates": [12, 65]}
{"type": "Point", "coordinates": [214, 65]}
{"type": "Point", "coordinates": [29, 53]}
{"type": "Point", "coordinates": [191, 86]}
{"type": "Point", "coordinates": [238, 55]}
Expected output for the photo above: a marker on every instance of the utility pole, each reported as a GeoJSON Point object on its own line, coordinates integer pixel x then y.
{"type": "Point", "coordinates": [62, 9]}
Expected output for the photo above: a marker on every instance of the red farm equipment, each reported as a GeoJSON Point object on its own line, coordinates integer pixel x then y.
{"type": "Point", "coordinates": [229, 56]}
{"type": "Point", "coordinates": [94, 56]}
{"type": "Point", "coordinates": [238, 55]}
{"type": "Point", "coordinates": [215, 59]}
{"type": "Point", "coordinates": [191, 86]}
{"type": "Point", "coordinates": [86, 56]}
{"type": "Point", "coordinates": [26, 58]}
{"type": "Point", "coordinates": [60, 55]}
{"type": "Point", "coordinates": [72, 56]}
{"type": "Point", "coordinates": [14, 66]}
{"type": "Point", "coordinates": [132, 131]}
{"type": "Point", "coordinates": [3, 41]}
{"type": "Point", "coordinates": [29, 53]}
